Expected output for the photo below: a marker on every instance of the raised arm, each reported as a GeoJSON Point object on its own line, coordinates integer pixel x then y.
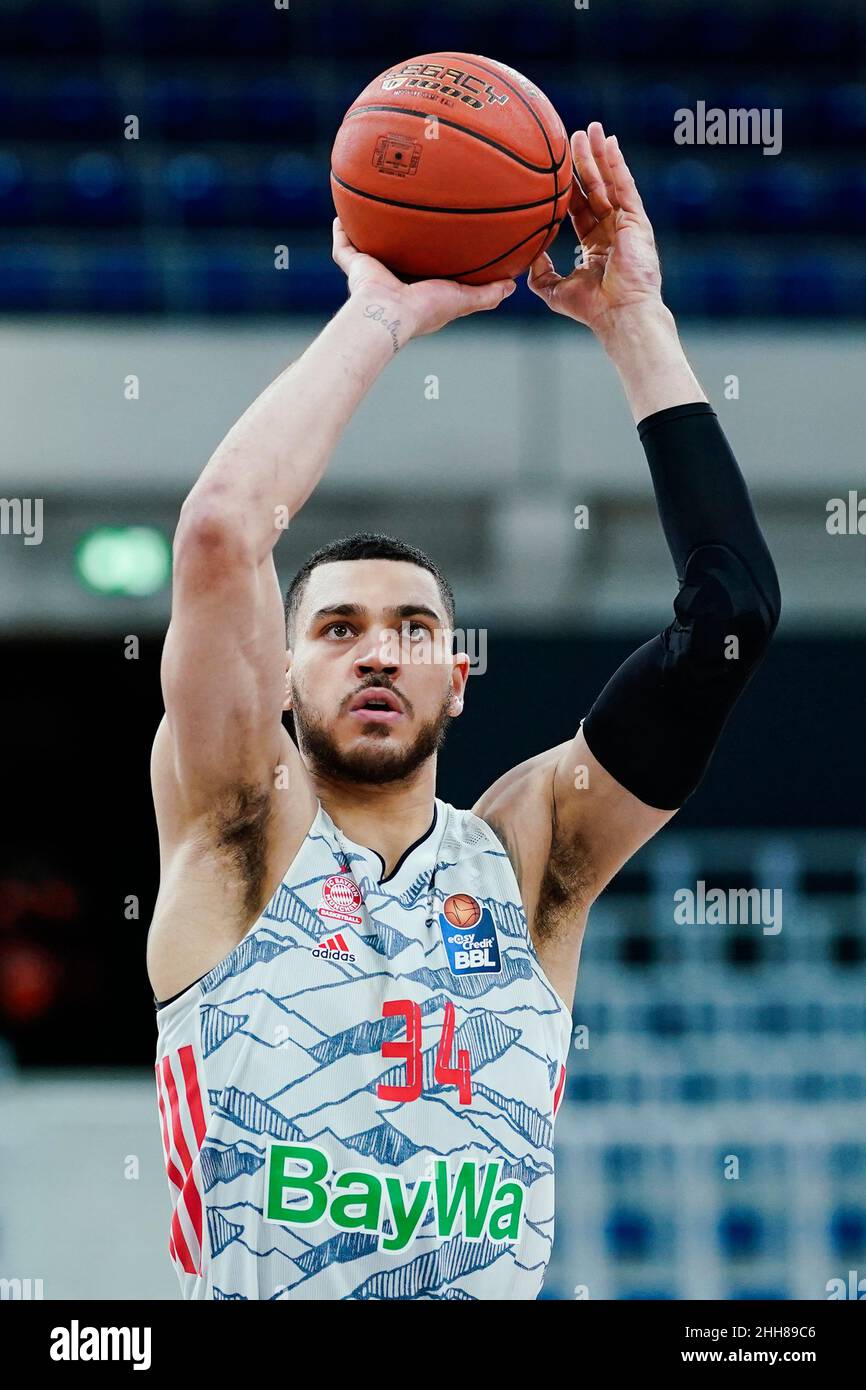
{"type": "Point", "coordinates": [223, 663]}
{"type": "Point", "coordinates": [573, 815]}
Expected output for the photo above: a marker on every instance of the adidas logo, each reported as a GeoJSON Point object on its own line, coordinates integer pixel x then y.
{"type": "Point", "coordinates": [334, 948]}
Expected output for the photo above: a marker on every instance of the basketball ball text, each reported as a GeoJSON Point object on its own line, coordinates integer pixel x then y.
{"type": "Point", "coordinates": [448, 82]}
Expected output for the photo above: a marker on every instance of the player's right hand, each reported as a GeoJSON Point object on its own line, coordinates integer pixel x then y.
{"type": "Point", "coordinates": [426, 305]}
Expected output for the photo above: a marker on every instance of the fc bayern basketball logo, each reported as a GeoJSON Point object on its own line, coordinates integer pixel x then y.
{"type": "Point", "coordinates": [341, 899]}
{"type": "Point", "coordinates": [469, 934]}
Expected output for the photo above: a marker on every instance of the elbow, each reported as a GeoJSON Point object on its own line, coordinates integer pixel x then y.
{"type": "Point", "coordinates": [761, 605]}
{"type": "Point", "coordinates": [210, 536]}
{"type": "Point", "coordinates": [722, 598]}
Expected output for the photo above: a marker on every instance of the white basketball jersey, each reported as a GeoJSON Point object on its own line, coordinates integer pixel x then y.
{"type": "Point", "coordinates": [359, 1101]}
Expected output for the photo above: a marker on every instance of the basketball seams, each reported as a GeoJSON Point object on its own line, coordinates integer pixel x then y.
{"type": "Point", "coordinates": [516, 90]}
{"type": "Point", "coordinates": [544, 229]}
{"type": "Point", "coordinates": [444, 211]}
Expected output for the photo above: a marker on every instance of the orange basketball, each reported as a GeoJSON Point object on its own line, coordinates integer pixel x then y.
{"type": "Point", "coordinates": [452, 166]}
{"type": "Point", "coordinates": [461, 910]}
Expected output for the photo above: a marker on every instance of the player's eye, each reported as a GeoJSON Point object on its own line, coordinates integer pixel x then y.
{"type": "Point", "coordinates": [417, 629]}
{"type": "Point", "coordinates": [331, 626]}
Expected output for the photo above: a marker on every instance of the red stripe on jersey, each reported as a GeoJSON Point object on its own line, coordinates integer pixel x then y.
{"type": "Point", "coordinates": [193, 1094]}
{"type": "Point", "coordinates": [177, 1133]}
{"type": "Point", "coordinates": [187, 1263]}
{"type": "Point", "coordinates": [180, 1249]}
{"type": "Point", "coordinates": [189, 1193]}
{"type": "Point", "coordinates": [173, 1174]}
{"type": "Point", "coordinates": [557, 1096]}
{"type": "Point", "coordinates": [340, 942]}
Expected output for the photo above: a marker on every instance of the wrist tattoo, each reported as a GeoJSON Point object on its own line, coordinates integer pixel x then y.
{"type": "Point", "coordinates": [377, 313]}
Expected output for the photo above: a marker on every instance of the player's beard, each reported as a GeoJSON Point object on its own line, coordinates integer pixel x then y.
{"type": "Point", "coordinates": [377, 758]}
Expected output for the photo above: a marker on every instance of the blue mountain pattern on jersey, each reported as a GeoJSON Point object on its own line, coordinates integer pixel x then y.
{"type": "Point", "coordinates": [426, 1274]}
{"type": "Point", "coordinates": [294, 1042]}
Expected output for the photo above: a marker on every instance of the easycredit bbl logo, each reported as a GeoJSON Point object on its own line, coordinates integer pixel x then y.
{"type": "Point", "coordinates": [469, 934]}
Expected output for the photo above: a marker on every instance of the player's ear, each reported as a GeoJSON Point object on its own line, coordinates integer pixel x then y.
{"type": "Point", "coordinates": [459, 677]}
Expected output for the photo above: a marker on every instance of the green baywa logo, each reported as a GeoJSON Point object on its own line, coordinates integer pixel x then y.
{"type": "Point", "coordinates": [358, 1200]}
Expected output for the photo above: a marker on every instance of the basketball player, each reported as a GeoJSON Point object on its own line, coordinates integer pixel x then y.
{"type": "Point", "coordinates": [365, 993]}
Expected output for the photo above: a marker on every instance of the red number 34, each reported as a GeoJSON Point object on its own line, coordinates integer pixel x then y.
{"type": "Point", "coordinates": [410, 1052]}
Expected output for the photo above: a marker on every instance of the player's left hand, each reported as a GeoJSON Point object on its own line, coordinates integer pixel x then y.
{"type": "Point", "coordinates": [620, 266]}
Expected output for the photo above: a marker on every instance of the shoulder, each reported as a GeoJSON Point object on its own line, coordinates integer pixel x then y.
{"type": "Point", "coordinates": [518, 808]}
{"type": "Point", "coordinates": [551, 862]}
{"type": "Point", "coordinates": [245, 814]}
{"type": "Point", "coordinates": [519, 804]}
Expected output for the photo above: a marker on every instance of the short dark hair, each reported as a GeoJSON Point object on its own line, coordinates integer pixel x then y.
{"type": "Point", "coordinates": [364, 545]}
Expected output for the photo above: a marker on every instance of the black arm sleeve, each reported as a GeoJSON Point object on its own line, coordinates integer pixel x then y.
{"type": "Point", "coordinates": [657, 721]}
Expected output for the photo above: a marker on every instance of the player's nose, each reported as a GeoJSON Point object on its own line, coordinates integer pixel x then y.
{"type": "Point", "coordinates": [381, 653]}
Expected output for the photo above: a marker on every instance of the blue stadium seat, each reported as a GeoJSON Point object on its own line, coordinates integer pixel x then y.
{"type": "Point", "coordinates": [121, 280]}
{"type": "Point", "coordinates": [651, 111]}
{"type": "Point", "coordinates": [588, 1087]}
{"type": "Point", "coordinates": [809, 286]}
{"type": "Point", "coordinates": [98, 191]}
{"type": "Point", "coordinates": [19, 110]}
{"type": "Point", "coordinates": [779, 198]}
{"type": "Point", "coordinates": [29, 279]}
{"type": "Point", "coordinates": [668, 1020]}
{"type": "Point", "coordinates": [739, 1086]}
{"type": "Point", "coordinates": [293, 190]}
{"type": "Point", "coordinates": [17, 206]}
{"type": "Point", "coordinates": [690, 189]}
{"type": "Point", "coordinates": [312, 284]}
{"type": "Point", "coordinates": [847, 199]}
{"type": "Point", "coordinates": [773, 1016]}
{"type": "Point", "coordinates": [847, 1160]}
{"type": "Point", "coordinates": [713, 285]}
{"type": "Point", "coordinates": [224, 283]}
{"type": "Point", "coordinates": [579, 102]}
{"type": "Point", "coordinates": [698, 1088]}
{"type": "Point", "coordinates": [847, 1231]}
{"type": "Point", "coordinates": [741, 1232]}
{"type": "Point", "coordinates": [195, 186]}
{"type": "Point", "coordinates": [810, 1086]}
{"type": "Point", "coordinates": [630, 1233]}
{"type": "Point", "coordinates": [843, 107]}
{"type": "Point", "coordinates": [81, 108]}
{"type": "Point", "coordinates": [623, 1162]}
